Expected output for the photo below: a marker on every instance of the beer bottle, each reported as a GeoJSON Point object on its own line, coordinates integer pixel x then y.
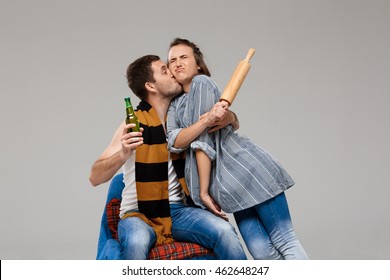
{"type": "Point", "coordinates": [131, 116]}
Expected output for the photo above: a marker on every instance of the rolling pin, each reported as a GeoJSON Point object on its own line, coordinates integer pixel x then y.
{"type": "Point", "coordinates": [237, 78]}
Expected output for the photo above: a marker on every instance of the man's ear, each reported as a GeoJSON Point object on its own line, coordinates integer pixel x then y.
{"type": "Point", "coordinates": [150, 87]}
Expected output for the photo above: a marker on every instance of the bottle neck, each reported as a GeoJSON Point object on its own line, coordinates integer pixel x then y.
{"type": "Point", "coordinates": [129, 106]}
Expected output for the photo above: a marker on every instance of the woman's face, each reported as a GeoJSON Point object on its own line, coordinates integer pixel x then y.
{"type": "Point", "coordinates": [183, 65]}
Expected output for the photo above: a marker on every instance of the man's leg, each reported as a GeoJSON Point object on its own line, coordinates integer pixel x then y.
{"type": "Point", "coordinates": [202, 227]}
{"type": "Point", "coordinates": [136, 238]}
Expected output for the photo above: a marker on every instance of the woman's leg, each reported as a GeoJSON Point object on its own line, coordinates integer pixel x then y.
{"type": "Point", "coordinates": [275, 216]}
{"type": "Point", "coordinates": [255, 235]}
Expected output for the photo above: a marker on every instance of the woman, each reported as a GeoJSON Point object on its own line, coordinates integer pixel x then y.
{"type": "Point", "coordinates": [225, 170]}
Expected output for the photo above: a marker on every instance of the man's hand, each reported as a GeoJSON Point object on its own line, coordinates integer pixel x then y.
{"type": "Point", "coordinates": [130, 140]}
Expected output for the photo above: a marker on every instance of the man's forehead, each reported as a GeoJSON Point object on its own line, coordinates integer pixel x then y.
{"type": "Point", "coordinates": [158, 64]}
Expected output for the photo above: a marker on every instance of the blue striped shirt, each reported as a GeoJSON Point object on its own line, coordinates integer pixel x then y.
{"type": "Point", "coordinates": [243, 174]}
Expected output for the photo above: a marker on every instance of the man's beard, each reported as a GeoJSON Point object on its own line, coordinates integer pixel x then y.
{"type": "Point", "coordinates": [176, 91]}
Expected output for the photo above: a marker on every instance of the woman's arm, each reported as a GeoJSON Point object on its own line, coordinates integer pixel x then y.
{"type": "Point", "coordinates": [215, 117]}
{"type": "Point", "coordinates": [187, 135]}
{"type": "Point", "coordinates": [230, 119]}
{"type": "Point", "coordinates": [207, 113]}
{"type": "Point", "coordinates": [218, 117]}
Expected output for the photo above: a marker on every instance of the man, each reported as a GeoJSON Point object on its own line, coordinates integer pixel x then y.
{"type": "Point", "coordinates": [153, 209]}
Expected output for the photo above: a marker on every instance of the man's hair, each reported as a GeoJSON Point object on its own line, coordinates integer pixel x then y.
{"type": "Point", "coordinates": [197, 54]}
{"type": "Point", "coordinates": [140, 72]}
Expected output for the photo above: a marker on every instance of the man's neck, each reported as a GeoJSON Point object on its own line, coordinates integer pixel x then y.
{"type": "Point", "coordinates": [160, 106]}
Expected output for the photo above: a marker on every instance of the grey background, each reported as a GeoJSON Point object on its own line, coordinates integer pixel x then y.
{"type": "Point", "coordinates": [317, 98]}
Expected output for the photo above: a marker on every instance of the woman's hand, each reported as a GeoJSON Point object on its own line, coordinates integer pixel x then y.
{"type": "Point", "coordinates": [216, 114]}
{"type": "Point", "coordinates": [213, 206]}
{"type": "Point", "coordinates": [230, 118]}
{"type": "Point", "coordinates": [220, 116]}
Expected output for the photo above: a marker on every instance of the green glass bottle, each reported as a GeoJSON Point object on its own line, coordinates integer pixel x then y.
{"type": "Point", "coordinates": [131, 116]}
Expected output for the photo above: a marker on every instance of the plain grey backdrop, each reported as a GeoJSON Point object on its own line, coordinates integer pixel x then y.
{"type": "Point", "coordinates": [317, 97]}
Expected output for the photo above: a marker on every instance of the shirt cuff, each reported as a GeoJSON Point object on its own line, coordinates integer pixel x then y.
{"type": "Point", "coordinates": [209, 151]}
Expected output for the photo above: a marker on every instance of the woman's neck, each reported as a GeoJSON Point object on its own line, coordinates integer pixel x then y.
{"type": "Point", "coordinates": [186, 87]}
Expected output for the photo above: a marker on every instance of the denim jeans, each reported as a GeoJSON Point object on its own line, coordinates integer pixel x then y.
{"type": "Point", "coordinates": [188, 224]}
{"type": "Point", "coordinates": [268, 232]}
{"type": "Point", "coordinates": [204, 228]}
{"type": "Point", "coordinates": [136, 238]}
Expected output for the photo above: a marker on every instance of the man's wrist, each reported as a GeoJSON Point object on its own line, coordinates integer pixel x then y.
{"type": "Point", "coordinates": [123, 156]}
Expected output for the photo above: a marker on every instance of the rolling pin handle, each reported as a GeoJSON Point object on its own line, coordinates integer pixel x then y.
{"type": "Point", "coordinates": [249, 55]}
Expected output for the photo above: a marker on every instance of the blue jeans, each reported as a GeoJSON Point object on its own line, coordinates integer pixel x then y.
{"type": "Point", "coordinates": [188, 224]}
{"type": "Point", "coordinates": [268, 231]}
{"type": "Point", "coordinates": [136, 238]}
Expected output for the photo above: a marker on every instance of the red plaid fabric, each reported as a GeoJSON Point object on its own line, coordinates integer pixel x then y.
{"type": "Point", "coordinates": [178, 251]}
{"type": "Point", "coordinates": [171, 251]}
{"type": "Point", "coordinates": [112, 212]}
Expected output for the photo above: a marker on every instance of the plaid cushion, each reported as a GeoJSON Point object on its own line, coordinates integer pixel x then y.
{"type": "Point", "coordinates": [178, 251]}
{"type": "Point", "coordinates": [171, 251]}
{"type": "Point", "coordinates": [112, 212]}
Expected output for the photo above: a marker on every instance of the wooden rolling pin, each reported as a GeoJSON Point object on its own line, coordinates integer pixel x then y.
{"type": "Point", "coordinates": [237, 78]}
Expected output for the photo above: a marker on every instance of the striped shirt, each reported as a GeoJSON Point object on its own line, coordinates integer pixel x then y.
{"type": "Point", "coordinates": [243, 174]}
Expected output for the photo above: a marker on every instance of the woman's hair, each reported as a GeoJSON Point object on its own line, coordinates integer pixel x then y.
{"type": "Point", "coordinates": [140, 72]}
{"type": "Point", "coordinates": [197, 53]}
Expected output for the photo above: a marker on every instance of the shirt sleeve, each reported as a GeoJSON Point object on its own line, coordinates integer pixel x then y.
{"type": "Point", "coordinates": [201, 98]}
{"type": "Point", "coordinates": [173, 128]}
{"type": "Point", "coordinates": [203, 95]}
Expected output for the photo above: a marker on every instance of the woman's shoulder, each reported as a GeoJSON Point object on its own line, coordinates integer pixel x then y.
{"type": "Point", "coordinates": [178, 98]}
{"type": "Point", "coordinates": [198, 79]}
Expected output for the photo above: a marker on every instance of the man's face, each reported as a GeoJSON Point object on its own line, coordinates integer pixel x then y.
{"type": "Point", "coordinates": [182, 64]}
{"type": "Point", "coordinates": [165, 82]}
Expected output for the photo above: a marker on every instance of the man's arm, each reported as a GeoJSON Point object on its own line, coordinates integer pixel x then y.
{"type": "Point", "coordinates": [120, 149]}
